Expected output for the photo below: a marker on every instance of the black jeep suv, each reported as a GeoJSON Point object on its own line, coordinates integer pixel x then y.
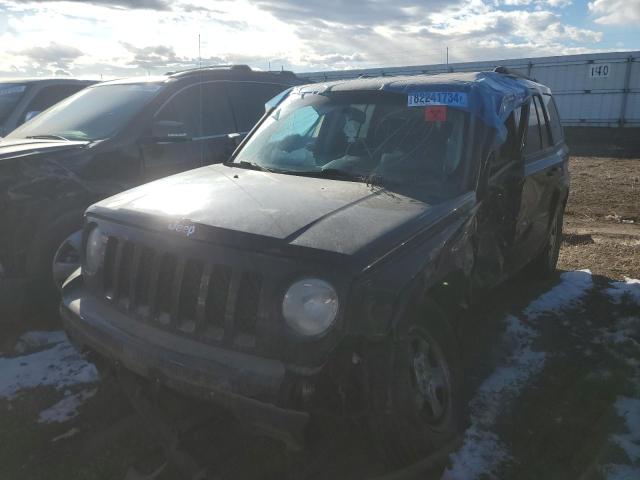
{"type": "Point", "coordinates": [106, 139]}
{"type": "Point", "coordinates": [318, 270]}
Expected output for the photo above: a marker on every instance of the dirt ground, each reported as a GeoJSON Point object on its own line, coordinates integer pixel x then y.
{"type": "Point", "coordinates": [602, 218]}
{"type": "Point", "coordinates": [552, 380]}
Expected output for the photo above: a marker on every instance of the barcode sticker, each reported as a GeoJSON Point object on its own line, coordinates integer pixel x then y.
{"type": "Point", "coordinates": [421, 99]}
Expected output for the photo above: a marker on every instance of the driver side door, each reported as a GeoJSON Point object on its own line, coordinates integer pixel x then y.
{"type": "Point", "coordinates": [498, 215]}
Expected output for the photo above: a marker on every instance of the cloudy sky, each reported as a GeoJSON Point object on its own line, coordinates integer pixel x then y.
{"type": "Point", "coordinates": [137, 37]}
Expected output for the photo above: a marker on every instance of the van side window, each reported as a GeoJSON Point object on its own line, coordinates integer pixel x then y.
{"type": "Point", "coordinates": [533, 143]}
{"type": "Point", "coordinates": [554, 118]}
{"type": "Point", "coordinates": [217, 116]}
{"type": "Point", "coordinates": [203, 109]}
{"type": "Point", "coordinates": [544, 128]}
{"type": "Point", "coordinates": [184, 107]}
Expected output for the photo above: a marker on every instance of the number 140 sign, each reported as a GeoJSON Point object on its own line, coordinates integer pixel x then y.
{"type": "Point", "coordinates": [599, 70]}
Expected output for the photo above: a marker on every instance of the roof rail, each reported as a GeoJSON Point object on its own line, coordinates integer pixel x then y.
{"type": "Point", "coordinates": [513, 73]}
{"type": "Point", "coordinates": [187, 71]}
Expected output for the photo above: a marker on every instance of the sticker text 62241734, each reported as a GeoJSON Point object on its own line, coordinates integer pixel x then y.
{"type": "Point", "coordinates": [453, 99]}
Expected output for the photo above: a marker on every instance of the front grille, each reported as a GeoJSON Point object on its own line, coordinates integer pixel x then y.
{"type": "Point", "coordinates": [189, 296]}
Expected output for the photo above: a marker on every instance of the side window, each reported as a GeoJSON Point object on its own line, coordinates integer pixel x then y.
{"type": "Point", "coordinates": [184, 107]}
{"type": "Point", "coordinates": [49, 96]}
{"type": "Point", "coordinates": [544, 128]}
{"type": "Point", "coordinates": [217, 116]}
{"type": "Point", "coordinates": [533, 143]}
{"type": "Point", "coordinates": [248, 99]}
{"type": "Point", "coordinates": [554, 118]}
{"type": "Point", "coordinates": [509, 149]}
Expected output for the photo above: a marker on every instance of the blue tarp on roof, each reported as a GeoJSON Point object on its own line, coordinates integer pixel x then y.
{"type": "Point", "coordinates": [490, 96]}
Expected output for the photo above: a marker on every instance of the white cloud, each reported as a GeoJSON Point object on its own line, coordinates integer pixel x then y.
{"type": "Point", "coordinates": [129, 37]}
{"type": "Point", "coordinates": [616, 12]}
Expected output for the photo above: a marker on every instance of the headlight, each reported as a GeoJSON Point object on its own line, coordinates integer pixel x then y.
{"type": "Point", "coordinates": [310, 306]}
{"type": "Point", "coordinates": [96, 245]}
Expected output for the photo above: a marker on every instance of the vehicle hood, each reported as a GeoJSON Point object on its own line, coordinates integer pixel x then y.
{"type": "Point", "coordinates": [23, 147]}
{"type": "Point", "coordinates": [337, 216]}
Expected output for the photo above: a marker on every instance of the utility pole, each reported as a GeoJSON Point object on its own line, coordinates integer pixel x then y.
{"type": "Point", "coordinates": [447, 55]}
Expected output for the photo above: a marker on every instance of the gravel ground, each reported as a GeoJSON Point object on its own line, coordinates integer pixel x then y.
{"type": "Point", "coordinates": [602, 218]}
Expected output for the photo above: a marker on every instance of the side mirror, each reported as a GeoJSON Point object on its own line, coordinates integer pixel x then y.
{"type": "Point", "coordinates": [169, 131]}
{"type": "Point", "coordinates": [31, 114]}
{"type": "Point", "coordinates": [235, 139]}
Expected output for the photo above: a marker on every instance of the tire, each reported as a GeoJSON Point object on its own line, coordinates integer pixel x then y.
{"type": "Point", "coordinates": [39, 267]}
{"type": "Point", "coordinates": [544, 264]}
{"type": "Point", "coordinates": [408, 378]}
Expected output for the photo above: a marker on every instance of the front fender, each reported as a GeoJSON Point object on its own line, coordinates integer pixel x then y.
{"type": "Point", "coordinates": [441, 256]}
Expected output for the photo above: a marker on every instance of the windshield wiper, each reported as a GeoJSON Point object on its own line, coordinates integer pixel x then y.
{"type": "Point", "coordinates": [252, 166]}
{"type": "Point", "coordinates": [326, 173]}
{"type": "Point", "coordinates": [48, 137]}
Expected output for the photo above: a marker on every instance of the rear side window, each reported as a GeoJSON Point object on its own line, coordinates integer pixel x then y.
{"type": "Point", "coordinates": [554, 118]}
{"type": "Point", "coordinates": [248, 99]}
{"type": "Point", "coordinates": [533, 142]}
{"type": "Point", "coordinates": [544, 129]}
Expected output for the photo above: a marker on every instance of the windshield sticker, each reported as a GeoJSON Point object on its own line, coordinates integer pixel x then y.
{"type": "Point", "coordinates": [12, 90]}
{"type": "Point", "coordinates": [435, 113]}
{"type": "Point", "coordinates": [421, 99]}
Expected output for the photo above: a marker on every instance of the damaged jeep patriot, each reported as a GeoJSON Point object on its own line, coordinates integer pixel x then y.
{"type": "Point", "coordinates": [323, 269]}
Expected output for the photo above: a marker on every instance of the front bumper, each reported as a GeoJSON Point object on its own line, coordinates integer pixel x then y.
{"type": "Point", "coordinates": [244, 384]}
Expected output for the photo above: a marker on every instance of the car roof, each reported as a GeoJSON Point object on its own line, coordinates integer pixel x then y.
{"type": "Point", "coordinates": [229, 72]}
{"type": "Point", "coordinates": [31, 80]}
{"type": "Point", "coordinates": [412, 82]}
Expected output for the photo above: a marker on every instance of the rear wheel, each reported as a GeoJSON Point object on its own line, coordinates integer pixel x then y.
{"type": "Point", "coordinates": [416, 390]}
{"type": "Point", "coordinates": [544, 265]}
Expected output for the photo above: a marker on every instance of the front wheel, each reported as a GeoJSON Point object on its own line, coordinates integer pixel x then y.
{"type": "Point", "coordinates": [416, 390]}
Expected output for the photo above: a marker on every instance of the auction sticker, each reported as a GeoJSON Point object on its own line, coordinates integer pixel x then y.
{"type": "Point", "coordinates": [421, 99]}
{"type": "Point", "coordinates": [435, 113]}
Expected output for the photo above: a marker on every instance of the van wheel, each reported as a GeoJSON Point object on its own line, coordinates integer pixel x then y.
{"type": "Point", "coordinates": [544, 265]}
{"type": "Point", "coordinates": [66, 259]}
{"type": "Point", "coordinates": [54, 242]}
{"type": "Point", "coordinates": [416, 390]}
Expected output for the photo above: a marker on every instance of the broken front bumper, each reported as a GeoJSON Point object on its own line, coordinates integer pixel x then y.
{"type": "Point", "coordinates": [242, 383]}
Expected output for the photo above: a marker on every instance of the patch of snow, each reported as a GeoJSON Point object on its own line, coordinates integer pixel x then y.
{"type": "Point", "coordinates": [621, 472]}
{"type": "Point", "coordinates": [571, 288]}
{"type": "Point", "coordinates": [37, 339]}
{"type": "Point", "coordinates": [629, 288]}
{"type": "Point", "coordinates": [67, 408]}
{"type": "Point", "coordinates": [482, 451]}
{"type": "Point", "coordinates": [59, 366]}
{"type": "Point", "coordinates": [70, 433]}
{"type": "Point", "coordinates": [629, 409]}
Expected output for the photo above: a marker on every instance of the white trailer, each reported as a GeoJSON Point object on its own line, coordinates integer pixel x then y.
{"type": "Point", "coordinates": [591, 90]}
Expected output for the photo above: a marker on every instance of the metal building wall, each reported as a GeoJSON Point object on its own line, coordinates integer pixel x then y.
{"type": "Point", "coordinates": [585, 97]}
